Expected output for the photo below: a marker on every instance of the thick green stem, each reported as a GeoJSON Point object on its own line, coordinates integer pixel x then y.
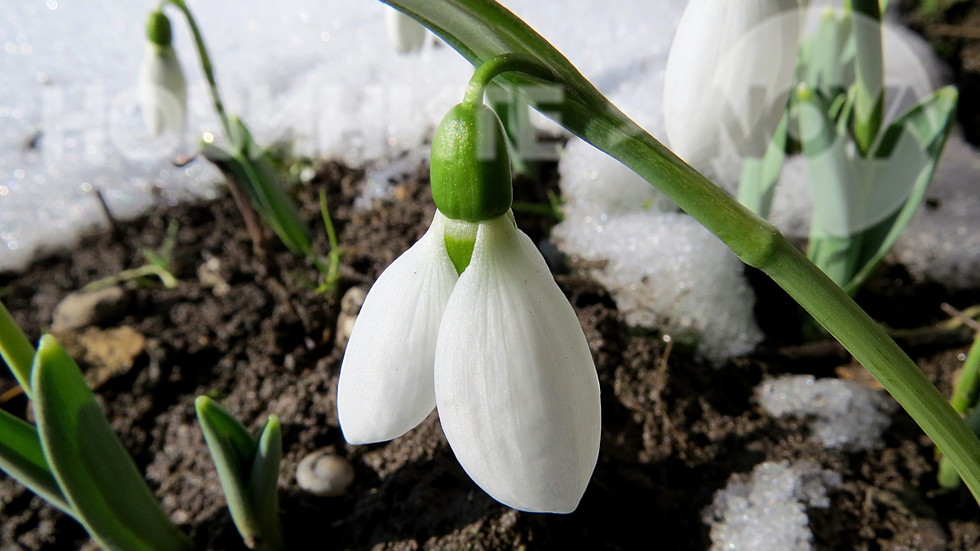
{"type": "Point", "coordinates": [482, 29]}
{"type": "Point", "coordinates": [202, 51]}
{"type": "Point", "coordinates": [759, 244]}
{"type": "Point", "coordinates": [868, 342]}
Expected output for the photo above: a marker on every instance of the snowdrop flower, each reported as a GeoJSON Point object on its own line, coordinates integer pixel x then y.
{"type": "Point", "coordinates": [729, 75]}
{"type": "Point", "coordinates": [162, 89]}
{"type": "Point", "coordinates": [405, 34]}
{"type": "Point", "coordinates": [498, 350]}
{"type": "Point", "coordinates": [386, 379]}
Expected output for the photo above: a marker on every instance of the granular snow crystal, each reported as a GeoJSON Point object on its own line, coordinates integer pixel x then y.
{"type": "Point", "coordinates": [766, 511]}
{"type": "Point", "coordinates": [842, 414]}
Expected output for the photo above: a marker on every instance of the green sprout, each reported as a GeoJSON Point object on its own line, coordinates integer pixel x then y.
{"type": "Point", "coordinates": [868, 177]}
{"type": "Point", "coordinates": [249, 470]}
{"type": "Point", "coordinates": [159, 264]}
{"type": "Point", "coordinates": [72, 459]}
{"type": "Point", "coordinates": [330, 271]}
{"type": "Point", "coordinates": [966, 393]}
{"type": "Point", "coordinates": [253, 180]}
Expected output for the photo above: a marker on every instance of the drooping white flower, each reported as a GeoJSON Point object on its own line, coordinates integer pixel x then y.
{"type": "Point", "coordinates": [405, 34]}
{"type": "Point", "coordinates": [498, 350]}
{"type": "Point", "coordinates": [162, 88]}
{"type": "Point", "coordinates": [729, 75]}
{"type": "Point", "coordinates": [386, 379]}
{"type": "Point", "coordinates": [516, 388]}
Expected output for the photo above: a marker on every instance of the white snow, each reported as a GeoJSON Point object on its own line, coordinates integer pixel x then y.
{"type": "Point", "coordinates": [320, 75]}
{"type": "Point", "coordinates": [662, 267]}
{"type": "Point", "coordinates": [841, 414]}
{"type": "Point", "coordinates": [766, 511]}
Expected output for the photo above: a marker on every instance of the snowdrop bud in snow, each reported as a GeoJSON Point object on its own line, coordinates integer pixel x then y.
{"type": "Point", "coordinates": [516, 388]}
{"type": "Point", "coordinates": [386, 385]}
{"type": "Point", "coordinates": [162, 89]}
{"type": "Point", "coordinates": [404, 32]}
{"type": "Point", "coordinates": [729, 75]}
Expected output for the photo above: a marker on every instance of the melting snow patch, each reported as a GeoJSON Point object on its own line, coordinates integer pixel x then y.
{"type": "Point", "coordinates": [842, 414]}
{"type": "Point", "coordinates": [766, 511]}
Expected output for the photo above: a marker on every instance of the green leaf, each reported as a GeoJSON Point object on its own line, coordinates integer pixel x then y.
{"type": "Point", "coordinates": [248, 470]}
{"type": "Point", "coordinates": [249, 167]}
{"type": "Point", "coordinates": [16, 350]}
{"type": "Point", "coordinates": [834, 181]}
{"type": "Point", "coordinates": [22, 457]}
{"type": "Point", "coordinates": [267, 193]}
{"type": "Point", "coordinates": [263, 483]}
{"type": "Point", "coordinates": [913, 145]}
{"type": "Point", "coordinates": [757, 184]}
{"type": "Point", "coordinates": [93, 469]}
{"type": "Point", "coordinates": [827, 57]}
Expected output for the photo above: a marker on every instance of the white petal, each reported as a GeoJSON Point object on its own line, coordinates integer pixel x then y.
{"type": "Point", "coordinates": [386, 386]}
{"type": "Point", "coordinates": [405, 34]}
{"type": "Point", "coordinates": [162, 91]}
{"type": "Point", "coordinates": [516, 387]}
{"type": "Point", "coordinates": [728, 92]}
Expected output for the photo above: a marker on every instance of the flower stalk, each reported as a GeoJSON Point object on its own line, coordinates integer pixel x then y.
{"type": "Point", "coordinates": [205, 57]}
{"type": "Point", "coordinates": [475, 29]}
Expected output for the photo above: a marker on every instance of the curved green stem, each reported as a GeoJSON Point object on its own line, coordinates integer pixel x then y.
{"type": "Point", "coordinates": [202, 51]}
{"type": "Point", "coordinates": [506, 63]}
{"type": "Point", "coordinates": [482, 29]}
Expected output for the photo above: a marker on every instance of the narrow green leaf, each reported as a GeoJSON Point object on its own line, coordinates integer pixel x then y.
{"type": "Point", "coordinates": [918, 137]}
{"type": "Point", "coordinates": [834, 182]}
{"type": "Point", "coordinates": [267, 193]}
{"type": "Point", "coordinates": [22, 457]}
{"type": "Point", "coordinates": [757, 184]}
{"type": "Point", "coordinates": [249, 167]}
{"type": "Point", "coordinates": [217, 422]}
{"type": "Point", "coordinates": [967, 388]}
{"type": "Point", "coordinates": [16, 350]}
{"type": "Point", "coordinates": [93, 469]}
{"type": "Point", "coordinates": [263, 484]}
{"type": "Point", "coordinates": [869, 74]}
{"type": "Point", "coordinates": [827, 57]}
{"type": "Point", "coordinates": [233, 450]}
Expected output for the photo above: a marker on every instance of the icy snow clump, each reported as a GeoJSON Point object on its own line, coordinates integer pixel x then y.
{"type": "Point", "coordinates": [766, 511]}
{"type": "Point", "coordinates": [842, 414]}
{"type": "Point", "coordinates": [662, 267]}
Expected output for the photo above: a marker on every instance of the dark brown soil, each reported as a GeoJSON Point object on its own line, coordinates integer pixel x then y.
{"type": "Point", "coordinates": [674, 430]}
{"type": "Point", "coordinates": [953, 29]}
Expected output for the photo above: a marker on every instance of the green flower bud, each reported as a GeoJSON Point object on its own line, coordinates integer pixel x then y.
{"type": "Point", "coordinates": [158, 29]}
{"type": "Point", "coordinates": [470, 167]}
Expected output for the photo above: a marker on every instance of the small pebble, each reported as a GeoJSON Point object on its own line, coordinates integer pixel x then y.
{"type": "Point", "coordinates": [350, 305]}
{"type": "Point", "coordinates": [324, 474]}
{"type": "Point", "coordinates": [209, 273]}
{"type": "Point", "coordinates": [85, 308]}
